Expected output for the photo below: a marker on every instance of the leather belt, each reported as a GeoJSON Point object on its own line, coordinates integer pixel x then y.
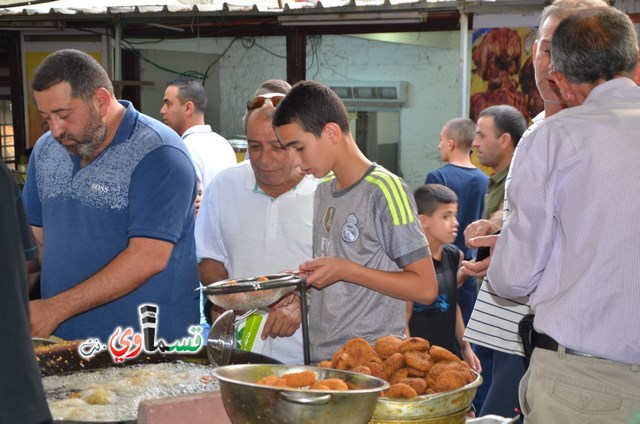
{"type": "Point", "coordinates": [545, 342]}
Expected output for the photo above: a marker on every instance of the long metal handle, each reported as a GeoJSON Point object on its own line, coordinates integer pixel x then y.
{"type": "Point", "coordinates": [305, 323]}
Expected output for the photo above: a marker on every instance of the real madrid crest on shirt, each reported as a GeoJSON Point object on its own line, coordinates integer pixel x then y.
{"type": "Point", "coordinates": [350, 232]}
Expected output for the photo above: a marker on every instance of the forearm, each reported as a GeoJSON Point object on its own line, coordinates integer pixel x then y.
{"type": "Point", "coordinates": [409, 306]}
{"type": "Point", "coordinates": [141, 260]}
{"type": "Point", "coordinates": [416, 282]}
{"type": "Point", "coordinates": [33, 272]}
{"type": "Point", "coordinates": [211, 271]}
{"type": "Point", "coordinates": [460, 327]}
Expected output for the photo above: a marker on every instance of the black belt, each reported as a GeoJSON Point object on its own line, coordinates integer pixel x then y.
{"type": "Point", "coordinates": [545, 342]}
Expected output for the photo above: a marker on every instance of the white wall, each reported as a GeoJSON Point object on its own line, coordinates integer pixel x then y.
{"type": "Point", "coordinates": [244, 65]}
{"type": "Point", "coordinates": [433, 74]}
{"type": "Point", "coordinates": [179, 61]}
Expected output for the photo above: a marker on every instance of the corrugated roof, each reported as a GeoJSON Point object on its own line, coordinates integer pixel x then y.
{"type": "Point", "coordinates": [72, 7]}
{"type": "Point", "coordinates": [124, 7]}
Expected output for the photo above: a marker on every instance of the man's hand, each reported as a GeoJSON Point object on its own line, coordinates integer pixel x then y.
{"type": "Point", "coordinates": [478, 269]}
{"type": "Point", "coordinates": [44, 317]}
{"type": "Point", "coordinates": [284, 318]}
{"type": "Point", "coordinates": [215, 312]}
{"type": "Point", "coordinates": [481, 227]}
{"type": "Point", "coordinates": [479, 234]}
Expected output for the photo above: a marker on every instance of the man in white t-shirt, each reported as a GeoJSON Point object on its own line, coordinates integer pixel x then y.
{"type": "Point", "coordinates": [256, 219]}
{"type": "Point", "coordinates": [184, 105]}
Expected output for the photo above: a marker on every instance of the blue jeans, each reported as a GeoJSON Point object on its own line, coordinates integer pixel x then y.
{"type": "Point", "coordinates": [467, 295]}
{"type": "Point", "coordinates": [485, 355]}
{"type": "Point", "coordinates": [502, 396]}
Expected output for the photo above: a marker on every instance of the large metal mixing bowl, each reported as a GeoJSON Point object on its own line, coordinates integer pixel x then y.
{"type": "Point", "coordinates": [250, 403]}
{"type": "Point", "coordinates": [427, 407]}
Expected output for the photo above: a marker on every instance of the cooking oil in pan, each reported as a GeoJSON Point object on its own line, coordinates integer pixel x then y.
{"type": "Point", "coordinates": [113, 394]}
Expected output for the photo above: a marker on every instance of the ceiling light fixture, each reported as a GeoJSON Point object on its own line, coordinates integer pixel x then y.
{"type": "Point", "coordinates": [326, 19]}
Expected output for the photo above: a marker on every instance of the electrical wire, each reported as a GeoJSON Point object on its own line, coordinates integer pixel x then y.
{"type": "Point", "coordinates": [130, 45]}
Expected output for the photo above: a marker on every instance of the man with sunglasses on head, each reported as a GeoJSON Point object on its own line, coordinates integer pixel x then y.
{"type": "Point", "coordinates": [256, 219]}
{"type": "Point", "coordinates": [183, 108]}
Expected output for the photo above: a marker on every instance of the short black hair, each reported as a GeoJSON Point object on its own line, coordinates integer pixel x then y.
{"type": "Point", "coordinates": [507, 119]}
{"type": "Point", "coordinates": [462, 131]}
{"type": "Point", "coordinates": [83, 73]}
{"type": "Point", "coordinates": [191, 90]}
{"type": "Point", "coordinates": [312, 106]}
{"type": "Point", "coordinates": [430, 197]}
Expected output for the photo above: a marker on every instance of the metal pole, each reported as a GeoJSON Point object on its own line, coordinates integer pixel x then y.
{"type": "Point", "coordinates": [117, 51]}
{"type": "Point", "coordinates": [465, 66]}
{"type": "Point", "coordinates": [305, 322]}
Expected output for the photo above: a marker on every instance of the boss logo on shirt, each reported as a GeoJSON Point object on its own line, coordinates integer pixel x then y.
{"type": "Point", "coordinates": [350, 232]}
{"type": "Point", "coordinates": [99, 188]}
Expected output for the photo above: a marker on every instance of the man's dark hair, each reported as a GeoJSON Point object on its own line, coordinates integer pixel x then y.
{"type": "Point", "coordinates": [430, 197]}
{"type": "Point", "coordinates": [507, 119]}
{"type": "Point", "coordinates": [593, 44]}
{"type": "Point", "coordinates": [191, 90]}
{"type": "Point", "coordinates": [83, 73]}
{"type": "Point", "coordinates": [312, 106]}
{"type": "Point", "coordinates": [461, 131]}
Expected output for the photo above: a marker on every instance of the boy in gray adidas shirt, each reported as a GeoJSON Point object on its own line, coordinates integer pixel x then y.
{"type": "Point", "coordinates": [370, 253]}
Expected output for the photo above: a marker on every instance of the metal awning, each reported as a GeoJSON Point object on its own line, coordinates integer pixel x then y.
{"type": "Point", "coordinates": [151, 9]}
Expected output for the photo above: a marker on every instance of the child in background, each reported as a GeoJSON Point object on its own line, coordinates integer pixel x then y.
{"type": "Point", "coordinates": [370, 254]}
{"type": "Point", "coordinates": [441, 322]}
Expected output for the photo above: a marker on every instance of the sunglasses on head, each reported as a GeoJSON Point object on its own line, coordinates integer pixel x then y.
{"type": "Point", "coordinates": [258, 101]}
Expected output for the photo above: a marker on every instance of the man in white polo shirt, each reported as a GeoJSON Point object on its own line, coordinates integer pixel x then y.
{"type": "Point", "coordinates": [183, 107]}
{"type": "Point", "coordinates": [256, 218]}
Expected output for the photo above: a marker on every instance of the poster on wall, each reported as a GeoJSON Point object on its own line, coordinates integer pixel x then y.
{"type": "Point", "coordinates": [502, 72]}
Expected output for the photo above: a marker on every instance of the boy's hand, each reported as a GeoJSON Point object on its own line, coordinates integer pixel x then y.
{"type": "Point", "coordinates": [470, 357]}
{"type": "Point", "coordinates": [324, 271]}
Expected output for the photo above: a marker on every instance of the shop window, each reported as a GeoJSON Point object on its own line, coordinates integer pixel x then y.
{"type": "Point", "coordinates": [7, 140]}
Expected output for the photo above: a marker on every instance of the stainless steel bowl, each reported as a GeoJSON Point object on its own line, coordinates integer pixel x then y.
{"type": "Point", "coordinates": [249, 403]}
{"type": "Point", "coordinates": [427, 407]}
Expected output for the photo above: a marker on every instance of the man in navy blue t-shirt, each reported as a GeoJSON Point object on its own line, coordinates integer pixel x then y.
{"type": "Point", "coordinates": [470, 185]}
{"type": "Point", "coordinates": [110, 196]}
